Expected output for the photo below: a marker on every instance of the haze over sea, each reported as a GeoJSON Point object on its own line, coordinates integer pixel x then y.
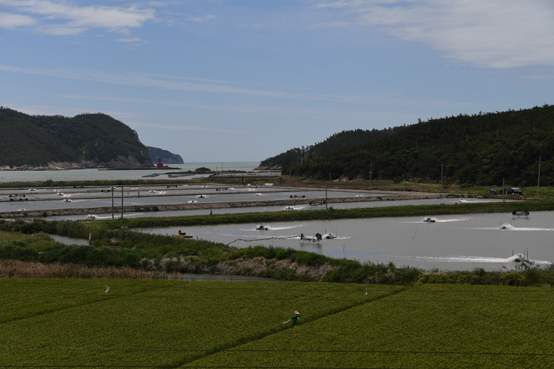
{"type": "Point", "coordinates": [102, 174]}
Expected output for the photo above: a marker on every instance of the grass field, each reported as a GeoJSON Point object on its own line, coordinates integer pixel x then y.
{"type": "Point", "coordinates": [73, 322]}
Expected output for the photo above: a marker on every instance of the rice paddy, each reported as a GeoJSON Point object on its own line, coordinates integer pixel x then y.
{"type": "Point", "coordinates": [170, 324]}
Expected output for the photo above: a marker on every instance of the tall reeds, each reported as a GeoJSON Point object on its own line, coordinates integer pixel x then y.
{"type": "Point", "coordinates": [21, 269]}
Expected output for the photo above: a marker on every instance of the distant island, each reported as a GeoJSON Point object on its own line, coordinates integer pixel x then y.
{"type": "Point", "coordinates": [167, 156]}
{"type": "Point", "coordinates": [39, 142]}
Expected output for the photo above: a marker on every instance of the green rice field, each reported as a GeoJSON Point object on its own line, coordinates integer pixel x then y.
{"type": "Point", "coordinates": [60, 323]}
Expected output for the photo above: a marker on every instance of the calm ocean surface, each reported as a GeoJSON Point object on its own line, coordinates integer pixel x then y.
{"type": "Point", "coordinates": [98, 174]}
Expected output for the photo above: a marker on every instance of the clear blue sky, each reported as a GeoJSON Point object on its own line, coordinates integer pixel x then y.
{"type": "Point", "coordinates": [242, 80]}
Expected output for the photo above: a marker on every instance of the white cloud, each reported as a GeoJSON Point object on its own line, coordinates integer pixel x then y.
{"type": "Point", "coordinates": [11, 21]}
{"type": "Point", "coordinates": [206, 87]}
{"type": "Point", "coordinates": [131, 40]}
{"type": "Point", "coordinates": [63, 17]}
{"type": "Point", "coordinates": [491, 33]}
{"type": "Point", "coordinates": [202, 19]}
{"type": "Point", "coordinates": [284, 110]}
{"type": "Point", "coordinates": [138, 80]}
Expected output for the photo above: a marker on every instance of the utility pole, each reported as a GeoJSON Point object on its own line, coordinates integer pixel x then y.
{"type": "Point", "coordinates": [121, 202]}
{"type": "Point", "coordinates": [370, 173]}
{"type": "Point", "coordinates": [326, 202]}
{"type": "Point", "coordinates": [442, 171]}
{"type": "Point", "coordinates": [113, 217]}
{"type": "Point", "coordinates": [539, 180]}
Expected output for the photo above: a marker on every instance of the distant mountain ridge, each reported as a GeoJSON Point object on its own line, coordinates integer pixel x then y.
{"type": "Point", "coordinates": [167, 156]}
{"type": "Point", "coordinates": [58, 142]}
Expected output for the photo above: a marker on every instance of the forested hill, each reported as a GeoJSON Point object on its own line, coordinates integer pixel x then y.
{"type": "Point", "coordinates": [335, 142]}
{"type": "Point", "coordinates": [57, 142]}
{"type": "Point", "coordinates": [478, 149]}
{"type": "Point", "coordinates": [167, 156]}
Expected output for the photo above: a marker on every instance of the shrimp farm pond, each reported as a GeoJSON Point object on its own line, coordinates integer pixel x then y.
{"type": "Point", "coordinates": [455, 242]}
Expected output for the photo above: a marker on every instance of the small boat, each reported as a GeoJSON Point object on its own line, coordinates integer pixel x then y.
{"type": "Point", "coordinates": [182, 235]}
{"type": "Point", "coordinates": [151, 175]}
{"type": "Point", "coordinates": [429, 220]}
{"type": "Point", "coordinates": [91, 217]}
{"type": "Point", "coordinates": [261, 228]}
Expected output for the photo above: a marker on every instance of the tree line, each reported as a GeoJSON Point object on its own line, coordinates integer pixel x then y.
{"type": "Point", "coordinates": [481, 149]}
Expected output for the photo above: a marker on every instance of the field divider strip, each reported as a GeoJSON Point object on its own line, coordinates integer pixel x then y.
{"type": "Point", "coordinates": [229, 347]}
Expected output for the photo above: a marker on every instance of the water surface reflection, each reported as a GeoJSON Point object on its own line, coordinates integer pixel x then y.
{"type": "Point", "coordinates": [450, 243]}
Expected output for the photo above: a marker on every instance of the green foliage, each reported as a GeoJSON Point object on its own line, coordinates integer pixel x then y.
{"type": "Point", "coordinates": [167, 156]}
{"type": "Point", "coordinates": [337, 141]}
{"type": "Point", "coordinates": [432, 326]}
{"type": "Point", "coordinates": [482, 149]}
{"type": "Point", "coordinates": [60, 323]}
{"type": "Point", "coordinates": [39, 140]}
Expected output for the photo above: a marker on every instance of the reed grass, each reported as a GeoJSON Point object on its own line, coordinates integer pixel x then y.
{"type": "Point", "coordinates": [21, 269]}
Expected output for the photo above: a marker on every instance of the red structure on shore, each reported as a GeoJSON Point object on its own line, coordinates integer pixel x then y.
{"type": "Point", "coordinates": [160, 165]}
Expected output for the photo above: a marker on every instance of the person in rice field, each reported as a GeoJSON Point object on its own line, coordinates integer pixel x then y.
{"type": "Point", "coordinates": [294, 319]}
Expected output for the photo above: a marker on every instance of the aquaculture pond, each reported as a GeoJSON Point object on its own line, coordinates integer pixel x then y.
{"type": "Point", "coordinates": [262, 209]}
{"type": "Point", "coordinates": [444, 242]}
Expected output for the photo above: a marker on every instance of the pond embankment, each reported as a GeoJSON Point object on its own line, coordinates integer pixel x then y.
{"type": "Point", "coordinates": [213, 205]}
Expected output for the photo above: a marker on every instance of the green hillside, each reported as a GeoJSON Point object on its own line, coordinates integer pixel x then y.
{"type": "Point", "coordinates": [86, 140]}
{"type": "Point", "coordinates": [480, 149]}
{"type": "Point", "coordinates": [176, 324]}
{"type": "Point", "coordinates": [166, 156]}
{"type": "Point", "coordinates": [335, 142]}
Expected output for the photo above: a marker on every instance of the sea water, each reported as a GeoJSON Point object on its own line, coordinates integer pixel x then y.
{"type": "Point", "coordinates": [101, 174]}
